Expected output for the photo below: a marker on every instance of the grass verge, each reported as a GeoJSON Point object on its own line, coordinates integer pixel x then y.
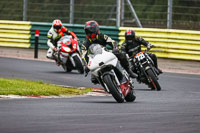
{"type": "Point", "coordinates": [35, 88]}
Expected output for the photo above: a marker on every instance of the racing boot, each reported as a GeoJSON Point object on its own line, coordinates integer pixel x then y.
{"type": "Point", "coordinates": [131, 73]}
{"type": "Point", "coordinates": [158, 71]}
{"type": "Point", "coordinates": [58, 63]}
{"type": "Point", "coordinates": [94, 80]}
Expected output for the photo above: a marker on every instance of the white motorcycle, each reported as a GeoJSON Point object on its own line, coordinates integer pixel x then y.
{"type": "Point", "coordinates": [107, 70]}
{"type": "Point", "coordinates": [68, 53]}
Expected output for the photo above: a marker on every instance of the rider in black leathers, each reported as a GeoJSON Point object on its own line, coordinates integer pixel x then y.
{"type": "Point", "coordinates": [132, 46]}
{"type": "Point", "coordinates": [93, 35]}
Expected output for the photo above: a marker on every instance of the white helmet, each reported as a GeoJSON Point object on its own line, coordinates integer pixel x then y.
{"type": "Point", "coordinates": [57, 25]}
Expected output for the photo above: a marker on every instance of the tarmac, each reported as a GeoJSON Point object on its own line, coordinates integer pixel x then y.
{"type": "Point", "coordinates": [165, 64]}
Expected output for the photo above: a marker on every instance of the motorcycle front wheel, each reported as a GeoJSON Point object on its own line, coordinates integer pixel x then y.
{"type": "Point", "coordinates": [66, 69]}
{"type": "Point", "coordinates": [112, 86]}
{"type": "Point", "coordinates": [153, 81]}
{"type": "Point", "coordinates": [79, 65]}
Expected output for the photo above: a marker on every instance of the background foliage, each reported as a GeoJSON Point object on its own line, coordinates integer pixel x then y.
{"type": "Point", "coordinates": [152, 13]}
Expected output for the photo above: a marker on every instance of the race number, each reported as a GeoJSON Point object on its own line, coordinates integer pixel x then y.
{"type": "Point", "coordinates": [140, 56]}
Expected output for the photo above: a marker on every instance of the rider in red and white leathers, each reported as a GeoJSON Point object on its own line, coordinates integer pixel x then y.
{"type": "Point", "coordinates": [56, 31]}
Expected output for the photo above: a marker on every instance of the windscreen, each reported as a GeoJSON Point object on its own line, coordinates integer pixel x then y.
{"type": "Point", "coordinates": [95, 49]}
{"type": "Point", "coordinates": [65, 38]}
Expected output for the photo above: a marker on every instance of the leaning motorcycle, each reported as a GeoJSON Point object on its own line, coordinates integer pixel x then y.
{"type": "Point", "coordinates": [147, 73]}
{"type": "Point", "coordinates": [107, 70]}
{"type": "Point", "coordinates": [68, 54]}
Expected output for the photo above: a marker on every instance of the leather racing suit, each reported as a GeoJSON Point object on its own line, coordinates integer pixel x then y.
{"type": "Point", "coordinates": [104, 40]}
{"type": "Point", "coordinates": [53, 38]}
{"type": "Point", "coordinates": [135, 47]}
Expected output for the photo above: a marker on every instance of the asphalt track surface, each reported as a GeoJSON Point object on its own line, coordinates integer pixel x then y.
{"type": "Point", "coordinates": [175, 109]}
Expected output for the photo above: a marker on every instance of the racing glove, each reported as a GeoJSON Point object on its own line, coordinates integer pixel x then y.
{"type": "Point", "coordinates": [149, 45]}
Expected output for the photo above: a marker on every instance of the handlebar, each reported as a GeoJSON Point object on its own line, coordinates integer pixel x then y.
{"type": "Point", "coordinates": [152, 46]}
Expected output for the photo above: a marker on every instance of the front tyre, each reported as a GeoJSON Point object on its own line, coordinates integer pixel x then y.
{"type": "Point", "coordinates": [118, 96]}
{"type": "Point", "coordinates": [66, 69]}
{"type": "Point", "coordinates": [78, 64]}
{"type": "Point", "coordinates": [153, 81]}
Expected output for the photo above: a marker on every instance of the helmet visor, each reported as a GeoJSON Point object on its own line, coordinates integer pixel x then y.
{"type": "Point", "coordinates": [90, 34]}
{"type": "Point", "coordinates": [57, 27]}
{"type": "Point", "coordinates": [129, 39]}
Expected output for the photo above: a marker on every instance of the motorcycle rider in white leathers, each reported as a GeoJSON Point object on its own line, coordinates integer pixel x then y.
{"type": "Point", "coordinates": [56, 31]}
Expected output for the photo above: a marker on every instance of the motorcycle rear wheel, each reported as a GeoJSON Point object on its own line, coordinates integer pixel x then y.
{"type": "Point", "coordinates": [113, 88]}
{"type": "Point", "coordinates": [154, 82]}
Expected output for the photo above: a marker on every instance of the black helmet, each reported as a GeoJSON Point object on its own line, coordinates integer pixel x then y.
{"type": "Point", "coordinates": [129, 36]}
{"type": "Point", "coordinates": [91, 29]}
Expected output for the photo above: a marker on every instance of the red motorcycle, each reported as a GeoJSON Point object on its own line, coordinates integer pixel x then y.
{"type": "Point", "coordinates": [68, 54]}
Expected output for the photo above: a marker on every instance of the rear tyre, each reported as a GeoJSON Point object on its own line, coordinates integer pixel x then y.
{"type": "Point", "coordinates": [153, 81]}
{"type": "Point", "coordinates": [78, 64]}
{"type": "Point", "coordinates": [118, 96]}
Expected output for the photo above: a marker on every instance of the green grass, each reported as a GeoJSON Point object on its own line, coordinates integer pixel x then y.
{"type": "Point", "coordinates": [35, 88]}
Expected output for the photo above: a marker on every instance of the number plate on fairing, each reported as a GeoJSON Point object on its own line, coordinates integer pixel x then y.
{"type": "Point", "coordinates": [140, 56]}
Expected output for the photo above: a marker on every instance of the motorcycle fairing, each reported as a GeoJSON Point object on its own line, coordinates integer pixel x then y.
{"type": "Point", "coordinates": [106, 58]}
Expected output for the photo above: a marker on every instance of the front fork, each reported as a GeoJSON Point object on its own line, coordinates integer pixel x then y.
{"type": "Point", "coordinates": [123, 87]}
{"type": "Point", "coordinates": [112, 73]}
{"type": "Point", "coordinates": [152, 65]}
{"type": "Point", "coordinates": [72, 59]}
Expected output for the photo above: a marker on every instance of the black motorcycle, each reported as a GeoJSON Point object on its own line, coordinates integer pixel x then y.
{"type": "Point", "coordinates": [143, 65]}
